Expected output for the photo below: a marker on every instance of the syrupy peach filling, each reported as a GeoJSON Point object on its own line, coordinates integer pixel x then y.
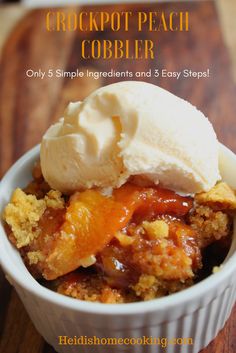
{"type": "Point", "coordinates": [137, 243]}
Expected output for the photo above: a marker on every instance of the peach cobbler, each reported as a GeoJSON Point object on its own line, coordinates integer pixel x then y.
{"type": "Point", "coordinates": [128, 244]}
{"type": "Point", "coordinates": [127, 202]}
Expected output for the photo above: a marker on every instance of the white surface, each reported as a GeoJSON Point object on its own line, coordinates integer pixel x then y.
{"type": "Point", "coordinates": [198, 312]}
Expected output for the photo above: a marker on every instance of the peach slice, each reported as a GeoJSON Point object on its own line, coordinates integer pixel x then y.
{"type": "Point", "coordinates": [91, 221]}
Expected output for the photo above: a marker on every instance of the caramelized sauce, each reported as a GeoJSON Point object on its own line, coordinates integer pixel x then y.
{"type": "Point", "coordinates": [146, 203]}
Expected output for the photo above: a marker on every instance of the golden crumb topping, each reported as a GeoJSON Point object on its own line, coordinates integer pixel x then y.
{"type": "Point", "coordinates": [150, 287]}
{"type": "Point", "coordinates": [24, 211]}
{"type": "Point", "coordinates": [221, 196]}
{"type": "Point", "coordinates": [34, 257]}
{"type": "Point", "coordinates": [217, 269]}
{"type": "Point", "coordinates": [54, 199]}
{"type": "Point", "coordinates": [156, 230]}
{"type": "Point", "coordinates": [124, 239]}
{"type": "Point", "coordinates": [146, 287]}
{"type": "Point", "coordinates": [211, 225]}
{"type": "Point", "coordinates": [22, 215]}
{"type": "Point", "coordinates": [91, 288]}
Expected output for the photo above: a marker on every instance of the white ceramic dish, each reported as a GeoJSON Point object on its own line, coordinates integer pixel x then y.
{"type": "Point", "coordinates": [198, 312]}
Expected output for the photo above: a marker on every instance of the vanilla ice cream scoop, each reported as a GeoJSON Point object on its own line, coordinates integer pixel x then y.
{"type": "Point", "coordinates": [131, 129]}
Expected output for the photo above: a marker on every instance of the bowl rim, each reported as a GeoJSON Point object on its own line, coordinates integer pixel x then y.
{"type": "Point", "coordinates": [27, 282]}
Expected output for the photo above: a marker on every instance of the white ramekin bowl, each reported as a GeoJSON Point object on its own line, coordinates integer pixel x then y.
{"type": "Point", "coordinates": [198, 312]}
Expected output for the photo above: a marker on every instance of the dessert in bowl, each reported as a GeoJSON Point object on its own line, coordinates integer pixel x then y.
{"type": "Point", "coordinates": [127, 206]}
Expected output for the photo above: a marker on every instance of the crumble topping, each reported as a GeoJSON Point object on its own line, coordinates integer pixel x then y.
{"type": "Point", "coordinates": [24, 211]}
{"type": "Point", "coordinates": [150, 287]}
{"type": "Point", "coordinates": [157, 229]}
{"type": "Point", "coordinates": [211, 225]}
{"type": "Point", "coordinates": [124, 239]}
{"type": "Point", "coordinates": [34, 257]}
{"type": "Point", "coordinates": [221, 196]}
{"type": "Point", "coordinates": [91, 288]}
{"type": "Point", "coordinates": [54, 199]}
{"type": "Point", "coordinates": [217, 269]}
{"type": "Point", "coordinates": [22, 215]}
{"type": "Point", "coordinates": [146, 287]}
